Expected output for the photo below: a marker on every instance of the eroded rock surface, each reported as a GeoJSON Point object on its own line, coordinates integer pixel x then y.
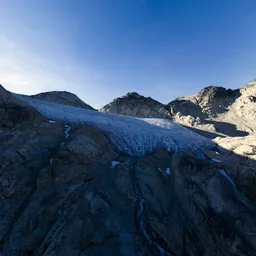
{"type": "Point", "coordinates": [68, 199]}
{"type": "Point", "coordinates": [66, 190]}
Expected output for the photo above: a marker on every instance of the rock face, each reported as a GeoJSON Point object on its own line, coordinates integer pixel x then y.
{"type": "Point", "coordinates": [244, 108]}
{"type": "Point", "coordinates": [240, 154]}
{"type": "Point", "coordinates": [208, 102]}
{"type": "Point", "coordinates": [14, 111]}
{"type": "Point", "coordinates": [244, 146]}
{"type": "Point", "coordinates": [65, 98]}
{"type": "Point", "coordinates": [66, 190]}
{"type": "Point", "coordinates": [219, 111]}
{"type": "Point", "coordinates": [74, 202]}
{"type": "Point", "coordinates": [133, 104]}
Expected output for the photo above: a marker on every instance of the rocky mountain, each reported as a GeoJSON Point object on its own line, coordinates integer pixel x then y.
{"type": "Point", "coordinates": [62, 97]}
{"type": "Point", "coordinates": [210, 101]}
{"type": "Point", "coordinates": [81, 182]}
{"type": "Point", "coordinates": [214, 111]}
{"type": "Point", "coordinates": [133, 104]}
{"type": "Point", "coordinates": [219, 111]}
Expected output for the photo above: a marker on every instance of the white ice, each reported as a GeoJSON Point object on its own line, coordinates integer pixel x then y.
{"type": "Point", "coordinates": [168, 171]}
{"type": "Point", "coordinates": [114, 164]}
{"type": "Point", "coordinates": [67, 130]}
{"type": "Point", "coordinates": [134, 136]}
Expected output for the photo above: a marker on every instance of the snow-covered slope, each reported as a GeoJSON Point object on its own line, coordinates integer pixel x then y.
{"type": "Point", "coordinates": [135, 136]}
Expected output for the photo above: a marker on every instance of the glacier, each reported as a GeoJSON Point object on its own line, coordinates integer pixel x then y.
{"type": "Point", "coordinates": [132, 135]}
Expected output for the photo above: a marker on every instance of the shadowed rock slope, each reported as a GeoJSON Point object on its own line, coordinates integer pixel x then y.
{"type": "Point", "coordinates": [13, 111]}
{"type": "Point", "coordinates": [65, 98]}
{"type": "Point", "coordinates": [68, 191]}
{"type": "Point", "coordinates": [133, 104]}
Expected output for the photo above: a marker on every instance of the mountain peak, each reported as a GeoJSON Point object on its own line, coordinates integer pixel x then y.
{"type": "Point", "coordinates": [133, 95]}
{"type": "Point", "coordinates": [134, 104]}
{"type": "Point", "coordinates": [62, 97]}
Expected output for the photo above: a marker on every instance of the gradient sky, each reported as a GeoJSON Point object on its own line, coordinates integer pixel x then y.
{"type": "Point", "coordinates": [102, 49]}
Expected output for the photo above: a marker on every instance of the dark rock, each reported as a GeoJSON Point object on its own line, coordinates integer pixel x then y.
{"type": "Point", "coordinates": [14, 112]}
{"type": "Point", "coordinates": [133, 104]}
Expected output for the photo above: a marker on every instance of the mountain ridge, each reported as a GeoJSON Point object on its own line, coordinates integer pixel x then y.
{"type": "Point", "coordinates": [211, 110]}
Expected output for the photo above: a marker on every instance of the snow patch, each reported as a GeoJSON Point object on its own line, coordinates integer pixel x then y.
{"type": "Point", "coordinates": [168, 171]}
{"type": "Point", "coordinates": [67, 130]}
{"type": "Point", "coordinates": [114, 164]}
{"type": "Point", "coordinates": [51, 122]}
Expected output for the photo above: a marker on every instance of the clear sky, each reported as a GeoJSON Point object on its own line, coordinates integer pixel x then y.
{"type": "Point", "coordinates": [102, 49]}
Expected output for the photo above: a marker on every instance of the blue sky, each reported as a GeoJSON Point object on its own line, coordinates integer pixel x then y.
{"type": "Point", "coordinates": [102, 49]}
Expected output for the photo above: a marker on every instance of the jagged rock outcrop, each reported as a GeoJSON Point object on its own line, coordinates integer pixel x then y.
{"type": "Point", "coordinates": [133, 104]}
{"type": "Point", "coordinates": [218, 110]}
{"type": "Point", "coordinates": [214, 100]}
{"type": "Point", "coordinates": [207, 103]}
{"type": "Point", "coordinates": [66, 190]}
{"type": "Point", "coordinates": [243, 110]}
{"type": "Point", "coordinates": [62, 97]}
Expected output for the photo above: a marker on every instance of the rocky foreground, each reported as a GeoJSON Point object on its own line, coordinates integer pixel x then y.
{"type": "Point", "coordinates": [66, 189]}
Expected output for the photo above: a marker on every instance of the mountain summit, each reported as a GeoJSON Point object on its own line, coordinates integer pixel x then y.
{"type": "Point", "coordinates": [218, 110]}
{"type": "Point", "coordinates": [133, 104]}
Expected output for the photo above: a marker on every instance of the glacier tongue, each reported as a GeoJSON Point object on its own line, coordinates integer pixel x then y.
{"type": "Point", "coordinates": [134, 136]}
